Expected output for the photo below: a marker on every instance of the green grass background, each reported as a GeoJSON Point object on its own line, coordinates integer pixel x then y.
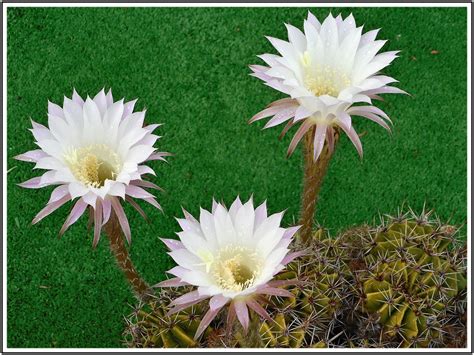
{"type": "Point", "coordinates": [188, 67]}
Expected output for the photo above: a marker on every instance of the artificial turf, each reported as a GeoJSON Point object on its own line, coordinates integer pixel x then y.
{"type": "Point", "coordinates": [188, 67]}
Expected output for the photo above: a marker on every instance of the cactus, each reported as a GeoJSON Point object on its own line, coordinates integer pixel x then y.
{"type": "Point", "coordinates": [408, 275]}
{"type": "Point", "coordinates": [149, 326]}
{"type": "Point", "coordinates": [402, 284]}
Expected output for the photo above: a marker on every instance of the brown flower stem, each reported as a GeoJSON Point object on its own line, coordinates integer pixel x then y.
{"type": "Point", "coordinates": [118, 248]}
{"type": "Point", "coordinates": [314, 172]}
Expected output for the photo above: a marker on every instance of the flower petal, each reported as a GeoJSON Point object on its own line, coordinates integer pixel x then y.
{"type": "Point", "coordinates": [76, 212]}
{"type": "Point", "coordinates": [242, 313]}
{"type": "Point", "coordinates": [123, 221]}
{"type": "Point", "coordinates": [50, 208]}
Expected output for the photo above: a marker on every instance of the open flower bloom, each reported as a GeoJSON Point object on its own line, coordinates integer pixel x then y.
{"type": "Point", "coordinates": [231, 256]}
{"type": "Point", "coordinates": [325, 71]}
{"type": "Point", "coordinates": [94, 150]}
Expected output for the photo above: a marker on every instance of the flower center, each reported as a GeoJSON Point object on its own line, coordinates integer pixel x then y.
{"type": "Point", "coordinates": [93, 164]}
{"type": "Point", "coordinates": [236, 268]}
{"type": "Point", "coordinates": [324, 79]}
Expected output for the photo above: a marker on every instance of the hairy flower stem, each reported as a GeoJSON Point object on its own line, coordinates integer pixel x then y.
{"type": "Point", "coordinates": [314, 172]}
{"type": "Point", "coordinates": [118, 248]}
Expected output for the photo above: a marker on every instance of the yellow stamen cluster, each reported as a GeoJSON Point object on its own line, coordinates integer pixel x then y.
{"type": "Point", "coordinates": [93, 164]}
{"type": "Point", "coordinates": [236, 268]}
{"type": "Point", "coordinates": [323, 79]}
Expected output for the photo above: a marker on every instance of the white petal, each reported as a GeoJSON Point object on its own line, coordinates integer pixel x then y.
{"type": "Point", "coordinates": [186, 259]}
{"type": "Point", "coordinates": [139, 153]}
{"type": "Point", "coordinates": [77, 189]}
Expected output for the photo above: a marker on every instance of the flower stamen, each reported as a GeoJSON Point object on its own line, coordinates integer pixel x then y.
{"type": "Point", "coordinates": [325, 80]}
{"type": "Point", "coordinates": [236, 268]}
{"type": "Point", "coordinates": [94, 164]}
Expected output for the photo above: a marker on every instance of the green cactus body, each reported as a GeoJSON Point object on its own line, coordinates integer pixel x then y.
{"type": "Point", "coordinates": [408, 280]}
{"type": "Point", "coordinates": [399, 285]}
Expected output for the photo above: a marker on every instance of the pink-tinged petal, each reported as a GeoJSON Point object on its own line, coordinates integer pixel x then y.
{"type": "Point", "coordinates": [260, 215]}
{"type": "Point", "coordinates": [292, 256]}
{"type": "Point", "coordinates": [137, 192]}
{"type": "Point", "coordinates": [77, 98]}
{"type": "Point", "coordinates": [301, 113]}
{"type": "Point", "coordinates": [258, 68]}
{"type": "Point", "coordinates": [305, 126]}
{"type": "Point", "coordinates": [206, 320]}
{"type": "Point", "coordinates": [159, 156]}
{"type": "Point", "coordinates": [50, 208]}
{"type": "Point", "coordinates": [189, 216]}
{"type": "Point", "coordinates": [48, 178]}
{"type": "Point", "coordinates": [242, 313]}
{"type": "Point", "coordinates": [296, 37]}
{"type": "Point", "coordinates": [368, 37]}
{"type": "Point", "coordinates": [41, 134]}
{"type": "Point", "coordinates": [284, 103]}
{"type": "Point", "coordinates": [262, 76]}
{"type": "Point", "coordinates": [143, 170]}
{"type": "Point", "coordinates": [386, 90]}
{"type": "Point", "coordinates": [101, 102]}
{"type": "Point", "coordinates": [32, 156]}
{"type": "Point", "coordinates": [153, 202]}
{"type": "Point", "coordinates": [270, 111]}
{"type": "Point", "coordinates": [375, 97]}
{"type": "Point", "coordinates": [187, 225]}
{"type": "Point", "coordinates": [230, 317]}
{"type": "Point", "coordinates": [355, 110]}
{"type": "Point", "coordinates": [375, 119]}
{"type": "Point", "coordinates": [90, 198]}
{"type": "Point", "coordinates": [270, 59]}
{"type": "Point", "coordinates": [174, 282]}
{"type": "Point", "coordinates": [354, 137]}
{"type": "Point", "coordinates": [34, 183]}
{"type": "Point", "coordinates": [151, 127]}
{"type": "Point", "coordinates": [286, 128]}
{"type": "Point", "coordinates": [172, 244]}
{"type": "Point", "coordinates": [55, 110]}
{"type": "Point", "coordinates": [345, 120]}
{"type": "Point", "coordinates": [117, 189]}
{"type": "Point", "coordinates": [37, 125]}
{"type": "Point", "coordinates": [186, 298]}
{"type": "Point", "coordinates": [385, 79]}
{"type": "Point", "coordinates": [58, 193]}
{"type": "Point", "coordinates": [147, 184]}
{"type": "Point", "coordinates": [178, 271]}
{"type": "Point", "coordinates": [137, 207]}
{"type": "Point", "coordinates": [273, 291]}
{"type": "Point", "coordinates": [258, 309]}
{"type": "Point", "coordinates": [123, 221]}
{"type": "Point", "coordinates": [97, 223]}
{"type": "Point", "coordinates": [106, 209]}
{"type": "Point", "coordinates": [76, 212]}
{"type": "Point", "coordinates": [109, 99]}
{"type": "Point", "coordinates": [281, 117]}
{"type": "Point", "coordinates": [140, 153]}
{"type": "Point", "coordinates": [128, 108]}
{"type": "Point", "coordinates": [218, 301]}
{"type": "Point", "coordinates": [290, 232]}
{"type": "Point", "coordinates": [319, 139]}
{"type": "Point", "coordinates": [234, 208]}
{"type": "Point", "coordinates": [313, 21]}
